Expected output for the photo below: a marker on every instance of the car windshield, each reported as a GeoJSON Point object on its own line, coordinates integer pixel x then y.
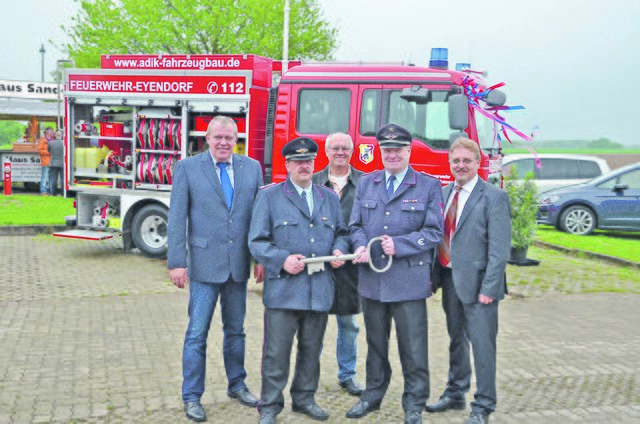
{"type": "Point", "coordinates": [611, 175]}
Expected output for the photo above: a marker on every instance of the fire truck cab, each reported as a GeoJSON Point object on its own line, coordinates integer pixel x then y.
{"type": "Point", "coordinates": [128, 123]}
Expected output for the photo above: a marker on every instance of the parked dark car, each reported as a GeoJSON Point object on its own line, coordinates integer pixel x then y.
{"type": "Point", "coordinates": [611, 202]}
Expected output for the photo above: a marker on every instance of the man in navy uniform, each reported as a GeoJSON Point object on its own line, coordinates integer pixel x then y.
{"type": "Point", "coordinates": [471, 265]}
{"type": "Point", "coordinates": [343, 179]}
{"type": "Point", "coordinates": [403, 207]}
{"type": "Point", "coordinates": [293, 220]}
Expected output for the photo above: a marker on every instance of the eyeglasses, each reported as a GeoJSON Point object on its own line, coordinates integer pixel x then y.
{"type": "Point", "coordinates": [340, 149]}
{"type": "Point", "coordinates": [465, 161]}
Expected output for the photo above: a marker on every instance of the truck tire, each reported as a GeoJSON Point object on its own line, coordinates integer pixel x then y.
{"type": "Point", "coordinates": [149, 231]}
{"type": "Point", "coordinates": [32, 187]}
{"type": "Point", "coordinates": [578, 219]}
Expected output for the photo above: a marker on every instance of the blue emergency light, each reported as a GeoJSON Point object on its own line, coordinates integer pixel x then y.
{"type": "Point", "coordinates": [439, 58]}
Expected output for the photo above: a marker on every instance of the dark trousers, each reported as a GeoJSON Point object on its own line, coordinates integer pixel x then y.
{"type": "Point", "coordinates": [280, 327]}
{"type": "Point", "coordinates": [472, 324]}
{"type": "Point", "coordinates": [412, 332]}
{"type": "Point", "coordinates": [55, 176]}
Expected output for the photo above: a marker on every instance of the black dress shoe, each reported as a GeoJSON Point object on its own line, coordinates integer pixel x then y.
{"type": "Point", "coordinates": [312, 410]}
{"type": "Point", "coordinates": [362, 408]}
{"type": "Point", "coordinates": [351, 386]}
{"type": "Point", "coordinates": [445, 403]}
{"type": "Point", "coordinates": [195, 411]}
{"type": "Point", "coordinates": [477, 418]}
{"type": "Point", "coordinates": [267, 418]}
{"type": "Point", "coordinates": [413, 417]}
{"type": "Point", "coordinates": [245, 397]}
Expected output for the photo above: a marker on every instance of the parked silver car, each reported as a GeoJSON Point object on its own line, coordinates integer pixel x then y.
{"type": "Point", "coordinates": [558, 170]}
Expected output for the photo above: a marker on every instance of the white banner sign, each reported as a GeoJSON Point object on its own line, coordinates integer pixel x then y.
{"type": "Point", "coordinates": [25, 167]}
{"type": "Point", "coordinates": [29, 90]}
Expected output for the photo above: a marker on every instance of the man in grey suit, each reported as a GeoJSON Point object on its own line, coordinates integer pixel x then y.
{"type": "Point", "coordinates": [293, 220]}
{"type": "Point", "coordinates": [471, 270]}
{"type": "Point", "coordinates": [343, 179]}
{"type": "Point", "coordinates": [56, 164]}
{"type": "Point", "coordinates": [404, 208]}
{"type": "Point", "coordinates": [211, 201]}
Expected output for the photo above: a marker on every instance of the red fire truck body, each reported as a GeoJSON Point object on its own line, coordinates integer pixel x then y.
{"type": "Point", "coordinates": [129, 122]}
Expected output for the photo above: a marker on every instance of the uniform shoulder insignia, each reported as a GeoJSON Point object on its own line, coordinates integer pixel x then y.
{"type": "Point", "coordinates": [268, 185]}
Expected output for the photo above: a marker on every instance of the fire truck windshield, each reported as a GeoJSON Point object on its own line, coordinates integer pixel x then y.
{"type": "Point", "coordinates": [428, 122]}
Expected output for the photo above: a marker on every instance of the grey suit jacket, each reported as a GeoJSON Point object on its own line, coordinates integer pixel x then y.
{"type": "Point", "coordinates": [281, 226]}
{"type": "Point", "coordinates": [481, 243]}
{"type": "Point", "coordinates": [201, 223]}
{"type": "Point", "coordinates": [413, 218]}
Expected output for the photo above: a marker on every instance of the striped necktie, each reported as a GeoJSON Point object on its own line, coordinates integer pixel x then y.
{"type": "Point", "coordinates": [444, 249]}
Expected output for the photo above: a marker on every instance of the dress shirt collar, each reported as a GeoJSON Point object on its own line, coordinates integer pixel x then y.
{"type": "Point", "coordinates": [399, 176]}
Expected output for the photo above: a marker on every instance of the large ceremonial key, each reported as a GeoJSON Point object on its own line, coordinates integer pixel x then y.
{"type": "Point", "coordinates": [316, 264]}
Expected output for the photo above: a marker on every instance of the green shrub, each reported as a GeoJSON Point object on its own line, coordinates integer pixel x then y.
{"type": "Point", "coordinates": [523, 196]}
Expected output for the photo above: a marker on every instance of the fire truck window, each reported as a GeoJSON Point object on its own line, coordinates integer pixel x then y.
{"type": "Point", "coordinates": [370, 112]}
{"type": "Point", "coordinates": [323, 111]}
{"type": "Point", "coordinates": [428, 122]}
{"type": "Point", "coordinates": [486, 135]}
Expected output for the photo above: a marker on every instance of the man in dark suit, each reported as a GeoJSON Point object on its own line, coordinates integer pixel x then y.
{"type": "Point", "coordinates": [343, 179]}
{"type": "Point", "coordinates": [211, 201]}
{"type": "Point", "coordinates": [404, 207]}
{"type": "Point", "coordinates": [471, 270]}
{"type": "Point", "coordinates": [293, 220]}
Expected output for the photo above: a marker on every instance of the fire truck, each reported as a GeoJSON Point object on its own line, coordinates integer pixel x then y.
{"type": "Point", "coordinates": [129, 122]}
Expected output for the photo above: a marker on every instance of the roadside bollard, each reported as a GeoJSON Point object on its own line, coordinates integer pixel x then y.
{"type": "Point", "coordinates": [7, 178]}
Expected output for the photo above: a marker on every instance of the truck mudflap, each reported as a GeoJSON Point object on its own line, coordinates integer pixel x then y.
{"type": "Point", "coordinates": [87, 234]}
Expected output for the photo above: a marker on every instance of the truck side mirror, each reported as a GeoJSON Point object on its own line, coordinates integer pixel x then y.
{"type": "Point", "coordinates": [415, 94]}
{"type": "Point", "coordinates": [496, 98]}
{"type": "Point", "coordinates": [458, 112]}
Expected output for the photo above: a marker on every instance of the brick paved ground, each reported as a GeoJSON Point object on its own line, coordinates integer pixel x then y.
{"type": "Point", "coordinates": [90, 334]}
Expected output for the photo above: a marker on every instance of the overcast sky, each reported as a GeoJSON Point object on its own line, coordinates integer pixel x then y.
{"type": "Point", "coordinates": [571, 63]}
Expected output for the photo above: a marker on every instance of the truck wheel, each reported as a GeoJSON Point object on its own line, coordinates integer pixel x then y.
{"type": "Point", "coordinates": [149, 231]}
{"type": "Point", "coordinates": [578, 220]}
{"type": "Point", "coordinates": [32, 187]}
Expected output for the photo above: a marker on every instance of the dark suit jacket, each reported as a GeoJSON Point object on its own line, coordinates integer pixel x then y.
{"type": "Point", "coordinates": [413, 218]}
{"type": "Point", "coordinates": [346, 300]}
{"type": "Point", "coordinates": [201, 222]}
{"type": "Point", "coordinates": [481, 243]}
{"type": "Point", "coordinates": [281, 226]}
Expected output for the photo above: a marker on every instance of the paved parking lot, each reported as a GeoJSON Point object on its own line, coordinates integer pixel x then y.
{"type": "Point", "coordinates": [91, 334]}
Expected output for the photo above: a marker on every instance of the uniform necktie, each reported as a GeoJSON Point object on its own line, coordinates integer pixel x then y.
{"type": "Point", "coordinates": [306, 200]}
{"type": "Point", "coordinates": [225, 182]}
{"type": "Point", "coordinates": [444, 249]}
{"type": "Point", "coordinates": [390, 189]}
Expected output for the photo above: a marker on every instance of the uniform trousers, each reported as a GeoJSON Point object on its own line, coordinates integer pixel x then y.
{"type": "Point", "coordinates": [412, 333]}
{"type": "Point", "coordinates": [280, 327]}
{"type": "Point", "coordinates": [473, 324]}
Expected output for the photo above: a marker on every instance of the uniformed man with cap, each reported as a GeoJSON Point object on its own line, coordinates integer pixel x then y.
{"type": "Point", "coordinates": [293, 220]}
{"type": "Point", "coordinates": [404, 207]}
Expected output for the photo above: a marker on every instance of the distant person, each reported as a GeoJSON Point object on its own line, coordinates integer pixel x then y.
{"type": "Point", "coordinates": [45, 157]}
{"type": "Point", "coordinates": [292, 220]}
{"type": "Point", "coordinates": [56, 164]}
{"type": "Point", "coordinates": [404, 207]}
{"type": "Point", "coordinates": [343, 179]}
{"type": "Point", "coordinates": [211, 201]}
{"type": "Point", "coordinates": [470, 268]}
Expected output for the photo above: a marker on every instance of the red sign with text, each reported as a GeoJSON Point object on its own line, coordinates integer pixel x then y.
{"type": "Point", "coordinates": [192, 62]}
{"type": "Point", "coordinates": [158, 84]}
